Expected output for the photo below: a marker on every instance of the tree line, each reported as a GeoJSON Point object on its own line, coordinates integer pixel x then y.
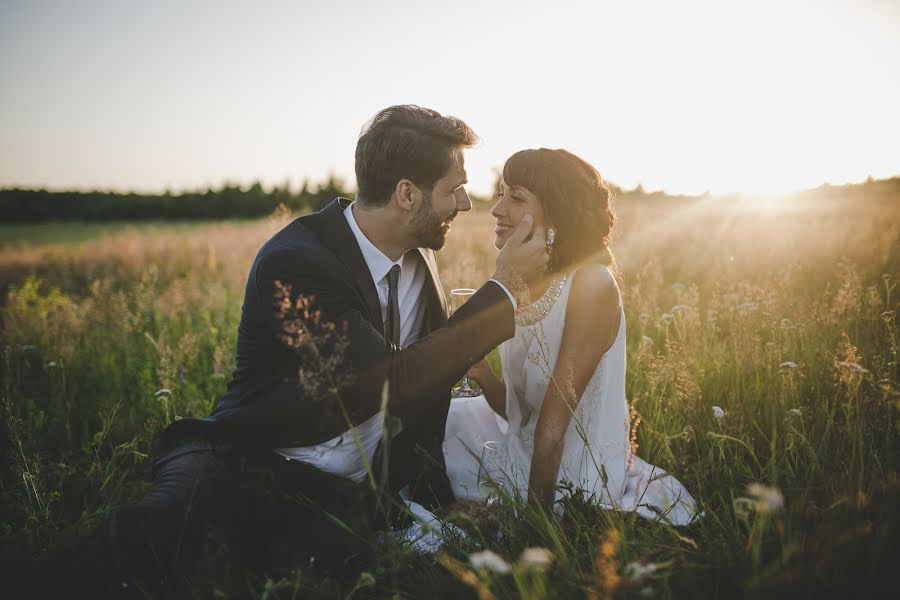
{"type": "Point", "coordinates": [233, 201]}
{"type": "Point", "coordinates": [230, 201]}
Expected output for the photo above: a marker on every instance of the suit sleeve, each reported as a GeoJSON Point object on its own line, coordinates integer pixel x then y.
{"type": "Point", "coordinates": [421, 371]}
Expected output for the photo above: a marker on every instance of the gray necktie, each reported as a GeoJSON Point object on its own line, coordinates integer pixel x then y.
{"type": "Point", "coordinates": [392, 327]}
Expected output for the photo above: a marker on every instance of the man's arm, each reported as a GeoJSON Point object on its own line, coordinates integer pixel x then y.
{"type": "Point", "coordinates": [417, 372]}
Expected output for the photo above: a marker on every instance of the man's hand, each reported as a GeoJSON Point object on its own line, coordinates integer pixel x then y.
{"type": "Point", "coordinates": [522, 259]}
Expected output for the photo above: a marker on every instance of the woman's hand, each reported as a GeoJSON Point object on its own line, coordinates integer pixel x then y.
{"type": "Point", "coordinates": [482, 374]}
{"type": "Point", "coordinates": [493, 389]}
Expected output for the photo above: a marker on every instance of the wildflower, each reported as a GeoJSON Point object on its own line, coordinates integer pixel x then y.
{"type": "Point", "coordinates": [491, 561]}
{"type": "Point", "coordinates": [52, 363]}
{"type": "Point", "coordinates": [536, 559]}
{"type": "Point", "coordinates": [637, 571]}
{"type": "Point", "coordinates": [789, 364]}
{"type": "Point", "coordinates": [679, 308]}
{"type": "Point", "coordinates": [646, 341]}
{"type": "Point", "coordinates": [745, 307]}
{"type": "Point", "coordinates": [163, 392]}
{"type": "Point", "coordinates": [666, 317]}
{"type": "Point", "coordinates": [718, 413]}
{"type": "Point", "coordinates": [852, 366]}
{"type": "Point", "coordinates": [796, 412]}
{"type": "Point", "coordinates": [888, 315]}
{"type": "Point", "coordinates": [768, 499]}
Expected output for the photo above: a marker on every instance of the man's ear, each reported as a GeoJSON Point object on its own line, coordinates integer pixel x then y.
{"type": "Point", "coordinates": [407, 194]}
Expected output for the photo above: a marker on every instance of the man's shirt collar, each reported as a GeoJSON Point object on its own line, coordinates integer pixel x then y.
{"type": "Point", "coordinates": [378, 263]}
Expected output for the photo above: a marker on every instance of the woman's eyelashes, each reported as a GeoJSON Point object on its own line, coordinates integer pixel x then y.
{"type": "Point", "coordinates": [515, 199]}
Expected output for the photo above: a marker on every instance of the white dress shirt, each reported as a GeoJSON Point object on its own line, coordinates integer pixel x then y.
{"type": "Point", "coordinates": [341, 455]}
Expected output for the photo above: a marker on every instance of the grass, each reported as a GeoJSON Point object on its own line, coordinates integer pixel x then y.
{"type": "Point", "coordinates": [69, 232]}
{"type": "Point", "coordinates": [105, 341]}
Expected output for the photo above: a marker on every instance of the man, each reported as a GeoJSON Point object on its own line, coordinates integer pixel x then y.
{"type": "Point", "coordinates": [286, 444]}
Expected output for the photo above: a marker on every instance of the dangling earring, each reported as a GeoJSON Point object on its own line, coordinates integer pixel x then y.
{"type": "Point", "coordinates": [551, 237]}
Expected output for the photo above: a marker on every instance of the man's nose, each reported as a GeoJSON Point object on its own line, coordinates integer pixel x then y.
{"type": "Point", "coordinates": [463, 202]}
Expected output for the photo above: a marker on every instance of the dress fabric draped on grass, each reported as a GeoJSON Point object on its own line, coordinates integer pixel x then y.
{"type": "Point", "coordinates": [480, 446]}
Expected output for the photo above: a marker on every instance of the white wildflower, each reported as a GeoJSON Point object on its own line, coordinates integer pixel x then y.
{"type": "Point", "coordinates": [52, 363]}
{"type": "Point", "coordinates": [666, 317]}
{"type": "Point", "coordinates": [718, 413]}
{"type": "Point", "coordinates": [163, 392]}
{"type": "Point", "coordinates": [679, 308]}
{"type": "Point", "coordinates": [637, 571]}
{"type": "Point", "coordinates": [852, 366]}
{"type": "Point", "coordinates": [491, 561]}
{"type": "Point", "coordinates": [788, 364]}
{"type": "Point", "coordinates": [646, 341]}
{"type": "Point", "coordinates": [745, 307]}
{"type": "Point", "coordinates": [796, 412]}
{"type": "Point", "coordinates": [888, 315]}
{"type": "Point", "coordinates": [768, 499]}
{"type": "Point", "coordinates": [536, 559]}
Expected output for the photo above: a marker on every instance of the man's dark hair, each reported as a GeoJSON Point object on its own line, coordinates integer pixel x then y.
{"type": "Point", "coordinates": [406, 142]}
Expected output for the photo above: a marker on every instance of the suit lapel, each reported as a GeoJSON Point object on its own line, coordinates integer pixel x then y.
{"type": "Point", "coordinates": [338, 237]}
{"type": "Point", "coordinates": [437, 303]}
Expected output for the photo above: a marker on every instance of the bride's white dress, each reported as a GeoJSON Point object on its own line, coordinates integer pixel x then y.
{"type": "Point", "coordinates": [597, 455]}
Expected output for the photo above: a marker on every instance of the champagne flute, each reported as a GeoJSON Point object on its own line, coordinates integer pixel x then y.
{"type": "Point", "coordinates": [458, 297]}
{"type": "Point", "coordinates": [489, 488]}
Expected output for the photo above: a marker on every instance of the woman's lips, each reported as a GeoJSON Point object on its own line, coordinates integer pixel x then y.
{"type": "Point", "coordinates": [502, 229]}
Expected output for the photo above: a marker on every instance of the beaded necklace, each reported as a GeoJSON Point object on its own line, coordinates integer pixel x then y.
{"type": "Point", "coordinates": [540, 308]}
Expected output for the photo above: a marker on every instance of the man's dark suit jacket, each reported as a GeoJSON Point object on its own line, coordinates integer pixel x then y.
{"type": "Point", "coordinates": [317, 255]}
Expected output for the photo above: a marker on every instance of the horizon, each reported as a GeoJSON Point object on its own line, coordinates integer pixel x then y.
{"type": "Point", "coordinates": [314, 183]}
{"type": "Point", "coordinates": [706, 97]}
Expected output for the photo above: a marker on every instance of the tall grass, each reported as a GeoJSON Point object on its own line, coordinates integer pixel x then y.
{"type": "Point", "coordinates": [784, 320]}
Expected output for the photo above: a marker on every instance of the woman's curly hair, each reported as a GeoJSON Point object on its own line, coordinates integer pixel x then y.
{"type": "Point", "coordinates": [577, 203]}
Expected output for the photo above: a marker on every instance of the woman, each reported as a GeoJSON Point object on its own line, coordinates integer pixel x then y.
{"type": "Point", "coordinates": [561, 411]}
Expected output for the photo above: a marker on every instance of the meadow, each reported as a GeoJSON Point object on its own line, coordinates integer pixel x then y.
{"type": "Point", "coordinates": [762, 361]}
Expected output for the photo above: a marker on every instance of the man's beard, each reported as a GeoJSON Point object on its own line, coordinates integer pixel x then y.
{"type": "Point", "coordinates": [427, 227]}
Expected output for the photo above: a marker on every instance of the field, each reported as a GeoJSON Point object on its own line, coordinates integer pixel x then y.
{"type": "Point", "coordinates": [762, 349]}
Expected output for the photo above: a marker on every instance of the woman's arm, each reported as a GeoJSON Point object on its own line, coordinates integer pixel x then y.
{"type": "Point", "coordinates": [494, 389]}
{"type": "Point", "coordinates": [592, 321]}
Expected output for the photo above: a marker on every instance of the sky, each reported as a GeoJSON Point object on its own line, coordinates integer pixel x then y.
{"type": "Point", "coordinates": [687, 96]}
